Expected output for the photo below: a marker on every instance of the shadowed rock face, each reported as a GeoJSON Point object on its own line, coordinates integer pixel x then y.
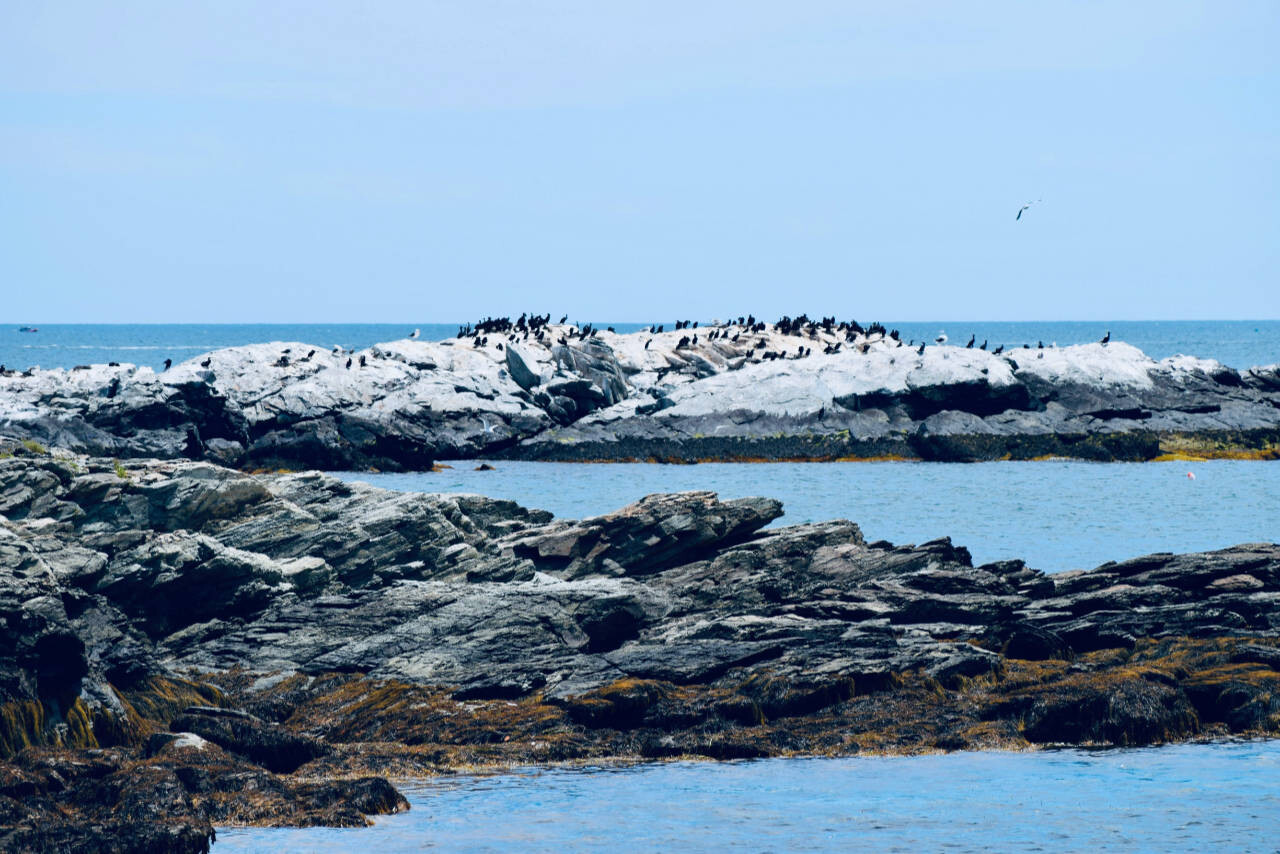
{"type": "Point", "coordinates": [565, 396]}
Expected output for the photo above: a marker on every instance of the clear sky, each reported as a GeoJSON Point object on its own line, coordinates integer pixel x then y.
{"type": "Point", "coordinates": [308, 161]}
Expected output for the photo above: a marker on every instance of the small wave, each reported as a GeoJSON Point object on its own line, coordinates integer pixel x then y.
{"type": "Point", "coordinates": [126, 346]}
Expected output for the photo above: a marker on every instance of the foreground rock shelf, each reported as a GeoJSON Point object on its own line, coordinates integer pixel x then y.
{"type": "Point", "coordinates": [737, 391]}
{"type": "Point", "coordinates": [183, 645]}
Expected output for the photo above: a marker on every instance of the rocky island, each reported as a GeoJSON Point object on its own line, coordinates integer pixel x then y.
{"type": "Point", "coordinates": [796, 389]}
{"type": "Point", "coordinates": [185, 645]}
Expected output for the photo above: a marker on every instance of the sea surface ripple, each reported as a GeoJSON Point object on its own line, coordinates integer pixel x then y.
{"type": "Point", "coordinates": [1054, 514]}
{"type": "Point", "coordinates": [1206, 797]}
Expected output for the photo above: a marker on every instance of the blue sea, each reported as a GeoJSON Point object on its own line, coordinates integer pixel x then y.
{"type": "Point", "coordinates": [1193, 798]}
{"type": "Point", "coordinates": [1238, 343]}
{"type": "Point", "coordinates": [1056, 515]}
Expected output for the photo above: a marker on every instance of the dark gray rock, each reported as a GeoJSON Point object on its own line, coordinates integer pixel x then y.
{"type": "Point", "coordinates": [266, 744]}
{"type": "Point", "coordinates": [108, 580]}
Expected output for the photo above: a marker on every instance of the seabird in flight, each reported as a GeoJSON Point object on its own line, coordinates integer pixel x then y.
{"type": "Point", "coordinates": [1023, 208]}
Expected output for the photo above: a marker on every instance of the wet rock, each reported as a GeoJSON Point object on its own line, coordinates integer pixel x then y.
{"type": "Point", "coordinates": [1035, 643]}
{"type": "Point", "coordinates": [1105, 709]}
{"type": "Point", "coordinates": [269, 745]}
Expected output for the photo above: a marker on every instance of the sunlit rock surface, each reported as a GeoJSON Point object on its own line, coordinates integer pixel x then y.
{"type": "Point", "coordinates": [713, 393]}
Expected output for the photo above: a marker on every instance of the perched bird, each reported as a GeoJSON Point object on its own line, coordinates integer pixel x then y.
{"type": "Point", "coordinates": [1106, 338]}
{"type": "Point", "coordinates": [348, 363]}
{"type": "Point", "coordinates": [983, 345]}
{"type": "Point", "coordinates": [941, 339]}
{"type": "Point", "coordinates": [972, 338]}
{"type": "Point", "coordinates": [414, 334]}
{"type": "Point", "coordinates": [168, 363]}
{"type": "Point", "coordinates": [207, 362]}
{"type": "Point", "coordinates": [363, 362]}
{"type": "Point", "coordinates": [920, 352]}
{"type": "Point", "coordinates": [563, 319]}
{"type": "Point", "coordinates": [998, 350]}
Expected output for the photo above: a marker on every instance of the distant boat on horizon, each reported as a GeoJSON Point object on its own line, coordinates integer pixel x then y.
{"type": "Point", "coordinates": [28, 329]}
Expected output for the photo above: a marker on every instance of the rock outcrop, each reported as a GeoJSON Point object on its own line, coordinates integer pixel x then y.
{"type": "Point", "coordinates": [263, 625]}
{"type": "Point", "coordinates": [110, 580]}
{"type": "Point", "coordinates": [561, 393]}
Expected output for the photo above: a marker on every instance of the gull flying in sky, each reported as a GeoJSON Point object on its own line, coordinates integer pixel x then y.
{"type": "Point", "coordinates": [1023, 208]}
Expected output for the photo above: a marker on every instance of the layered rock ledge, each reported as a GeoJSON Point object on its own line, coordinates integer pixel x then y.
{"type": "Point", "coordinates": [184, 645]}
{"type": "Point", "coordinates": [731, 392]}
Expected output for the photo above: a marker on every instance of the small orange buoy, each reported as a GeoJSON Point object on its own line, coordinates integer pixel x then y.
{"type": "Point", "coordinates": [1191, 475]}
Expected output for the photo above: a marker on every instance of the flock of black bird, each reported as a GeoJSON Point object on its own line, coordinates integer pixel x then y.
{"type": "Point", "coordinates": [538, 326]}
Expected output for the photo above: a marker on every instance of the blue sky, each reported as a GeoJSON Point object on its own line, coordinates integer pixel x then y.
{"type": "Point", "coordinates": [322, 161]}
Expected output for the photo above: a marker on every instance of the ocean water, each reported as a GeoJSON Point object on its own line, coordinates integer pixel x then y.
{"type": "Point", "coordinates": [1239, 343]}
{"type": "Point", "coordinates": [1056, 515]}
{"type": "Point", "coordinates": [1195, 798]}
